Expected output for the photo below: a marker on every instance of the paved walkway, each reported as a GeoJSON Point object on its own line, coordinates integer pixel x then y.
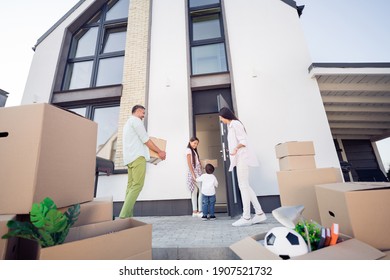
{"type": "Point", "coordinates": [191, 238]}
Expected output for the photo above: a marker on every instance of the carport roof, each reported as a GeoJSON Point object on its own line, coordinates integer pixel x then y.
{"type": "Point", "coordinates": [356, 98]}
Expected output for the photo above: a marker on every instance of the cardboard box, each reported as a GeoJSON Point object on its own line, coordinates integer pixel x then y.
{"type": "Point", "coordinates": [98, 210]}
{"type": "Point", "coordinates": [7, 246]}
{"type": "Point", "coordinates": [47, 152]}
{"type": "Point", "coordinates": [121, 239]}
{"type": "Point", "coordinates": [213, 162]}
{"type": "Point", "coordinates": [297, 163]}
{"type": "Point", "coordinates": [161, 144]}
{"type": "Point", "coordinates": [298, 188]}
{"type": "Point", "coordinates": [250, 248]}
{"type": "Point", "coordinates": [350, 249]}
{"type": "Point", "coordinates": [387, 255]}
{"type": "Point", "coordinates": [361, 210]}
{"type": "Point", "coordinates": [294, 148]}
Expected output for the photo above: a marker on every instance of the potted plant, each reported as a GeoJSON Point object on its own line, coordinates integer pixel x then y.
{"type": "Point", "coordinates": [314, 230]}
{"type": "Point", "coordinates": [48, 226]}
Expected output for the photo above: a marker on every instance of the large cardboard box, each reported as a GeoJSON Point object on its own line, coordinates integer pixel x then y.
{"type": "Point", "coordinates": [250, 248]}
{"type": "Point", "coordinates": [7, 246]}
{"type": "Point", "coordinates": [45, 152]}
{"type": "Point", "coordinates": [361, 210]}
{"type": "Point", "coordinates": [297, 187]}
{"type": "Point", "coordinates": [213, 162]}
{"type": "Point", "coordinates": [161, 144]}
{"type": "Point", "coordinates": [294, 148]}
{"type": "Point", "coordinates": [297, 163]}
{"type": "Point", "coordinates": [100, 209]}
{"type": "Point", "coordinates": [121, 239]}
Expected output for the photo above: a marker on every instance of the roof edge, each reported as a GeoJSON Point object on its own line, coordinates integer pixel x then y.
{"type": "Point", "coordinates": [349, 65]}
{"type": "Point", "coordinates": [291, 3]}
{"type": "Point", "coordinates": [62, 19]}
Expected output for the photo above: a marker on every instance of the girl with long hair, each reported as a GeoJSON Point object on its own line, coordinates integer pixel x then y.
{"type": "Point", "coordinates": [194, 171]}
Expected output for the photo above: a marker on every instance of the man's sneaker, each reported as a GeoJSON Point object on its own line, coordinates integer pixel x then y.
{"type": "Point", "coordinates": [204, 218]}
{"type": "Point", "coordinates": [212, 217]}
{"type": "Point", "coordinates": [258, 218]}
{"type": "Point", "coordinates": [242, 223]}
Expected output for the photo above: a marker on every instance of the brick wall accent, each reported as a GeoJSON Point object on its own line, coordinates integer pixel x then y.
{"type": "Point", "coordinates": [135, 72]}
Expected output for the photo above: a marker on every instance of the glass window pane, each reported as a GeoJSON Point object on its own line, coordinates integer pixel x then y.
{"type": "Point", "coordinates": [116, 41]}
{"type": "Point", "coordinates": [110, 71]}
{"type": "Point", "coordinates": [107, 120]}
{"type": "Point", "coordinates": [206, 27]}
{"type": "Point", "coordinates": [80, 74]}
{"type": "Point", "coordinates": [208, 59]}
{"type": "Point", "coordinates": [80, 111]}
{"type": "Point", "coordinates": [119, 10]}
{"type": "Point", "coordinates": [85, 42]}
{"type": "Point", "coordinates": [198, 3]}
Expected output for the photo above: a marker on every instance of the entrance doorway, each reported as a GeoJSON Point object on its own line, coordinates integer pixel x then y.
{"type": "Point", "coordinates": [207, 130]}
{"type": "Point", "coordinates": [213, 145]}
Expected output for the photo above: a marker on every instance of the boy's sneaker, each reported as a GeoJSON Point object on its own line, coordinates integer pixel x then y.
{"type": "Point", "coordinates": [212, 217]}
{"type": "Point", "coordinates": [242, 222]}
{"type": "Point", "coordinates": [258, 218]}
{"type": "Point", "coordinates": [204, 218]}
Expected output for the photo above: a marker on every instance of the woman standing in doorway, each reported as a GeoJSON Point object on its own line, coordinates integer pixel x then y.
{"type": "Point", "coordinates": [242, 158]}
{"type": "Point", "coordinates": [194, 171]}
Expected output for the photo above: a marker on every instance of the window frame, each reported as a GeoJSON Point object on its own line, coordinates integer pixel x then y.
{"type": "Point", "coordinates": [201, 11]}
{"type": "Point", "coordinates": [104, 27]}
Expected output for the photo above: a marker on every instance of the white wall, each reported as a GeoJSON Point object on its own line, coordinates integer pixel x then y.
{"type": "Point", "coordinates": [167, 107]}
{"type": "Point", "coordinates": [276, 99]}
{"type": "Point", "coordinates": [41, 76]}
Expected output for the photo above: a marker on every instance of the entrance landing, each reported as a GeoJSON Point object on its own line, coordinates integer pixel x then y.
{"type": "Point", "coordinates": [191, 238]}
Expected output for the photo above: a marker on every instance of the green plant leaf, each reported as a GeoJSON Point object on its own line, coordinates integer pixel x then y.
{"type": "Point", "coordinates": [47, 224]}
{"type": "Point", "coordinates": [72, 214]}
{"type": "Point", "coordinates": [21, 229]}
{"type": "Point", "coordinates": [40, 210]}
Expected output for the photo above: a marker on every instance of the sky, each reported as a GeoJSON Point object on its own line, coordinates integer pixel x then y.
{"type": "Point", "coordinates": [335, 31]}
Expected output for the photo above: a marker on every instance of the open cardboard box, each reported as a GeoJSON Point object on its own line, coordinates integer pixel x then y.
{"type": "Point", "coordinates": [45, 152]}
{"type": "Point", "coordinates": [100, 209]}
{"type": "Point", "coordinates": [361, 209]}
{"type": "Point", "coordinates": [120, 239]}
{"type": "Point", "coordinates": [250, 248]}
{"type": "Point", "coordinates": [161, 144]}
{"type": "Point", "coordinates": [297, 187]}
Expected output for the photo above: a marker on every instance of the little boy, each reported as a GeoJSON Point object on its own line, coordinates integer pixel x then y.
{"type": "Point", "coordinates": [209, 183]}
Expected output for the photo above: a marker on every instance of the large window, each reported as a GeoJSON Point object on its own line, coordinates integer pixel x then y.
{"type": "Point", "coordinates": [106, 116]}
{"type": "Point", "coordinates": [97, 50]}
{"type": "Point", "coordinates": [208, 54]}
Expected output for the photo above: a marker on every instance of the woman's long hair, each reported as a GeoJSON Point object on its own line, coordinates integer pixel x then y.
{"type": "Point", "coordinates": [193, 151]}
{"type": "Point", "coordinates": [228, 114]}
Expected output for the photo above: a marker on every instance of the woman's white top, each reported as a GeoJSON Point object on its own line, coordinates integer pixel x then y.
{"type": "Point", "coordinates": [237, 135]}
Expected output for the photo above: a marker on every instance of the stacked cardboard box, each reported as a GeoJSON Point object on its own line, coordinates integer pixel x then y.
{"type": "Point", "coordinates": [298, 176]}
{"type": "Point", "coordinates": [361, 210]}
{"type": "Point", "coordinates": [50, 152]}
{"type": "Point", "coordinates": [300, 185]}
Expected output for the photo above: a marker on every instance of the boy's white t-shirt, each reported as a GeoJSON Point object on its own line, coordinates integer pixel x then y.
{"type": "Point", "coordinates": [209, 183]}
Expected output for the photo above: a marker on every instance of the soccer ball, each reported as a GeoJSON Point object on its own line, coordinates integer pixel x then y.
{"type": "Point", "coordinates": [285, 242]}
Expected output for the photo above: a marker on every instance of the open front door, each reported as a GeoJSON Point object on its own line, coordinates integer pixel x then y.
{"type": "Point", "coordinates": [233, 194]}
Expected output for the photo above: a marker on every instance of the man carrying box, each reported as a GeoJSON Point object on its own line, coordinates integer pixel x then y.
{"type": "Point", "coordinates": [136, 145]}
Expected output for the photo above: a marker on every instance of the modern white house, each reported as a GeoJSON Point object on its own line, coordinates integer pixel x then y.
{"type": "Point", "coordinates": [182, 60]}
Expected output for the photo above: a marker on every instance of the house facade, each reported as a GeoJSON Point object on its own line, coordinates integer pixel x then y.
{"type": "Point", "coordinates": [183, 60]}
